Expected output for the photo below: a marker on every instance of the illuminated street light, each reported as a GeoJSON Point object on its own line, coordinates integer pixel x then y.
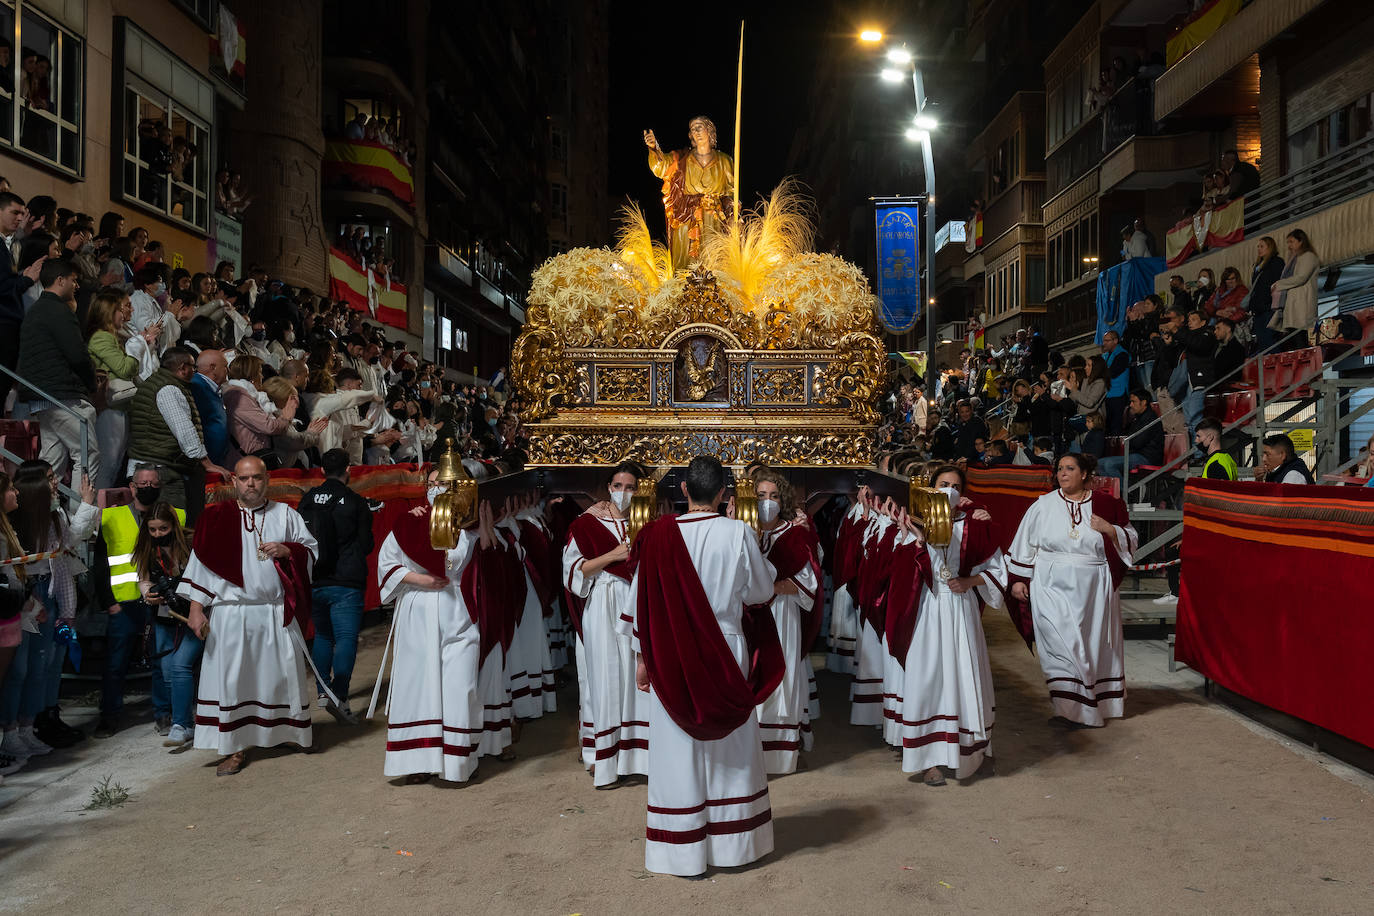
{"type": "Point", "coordinates": [914, 135]}
{"type": "Point", "coordinates": [870, 35]}
{"type": "Point", "coordinates": [899, 56]}
{"type": "Point", "coordinates": [892, 75]}
{"type": "Point", "coordinates": [926, 122]}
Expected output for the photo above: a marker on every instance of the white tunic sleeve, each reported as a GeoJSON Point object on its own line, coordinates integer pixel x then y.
{"type": "Point", "coordinates": [573, 578]}
{"type": "Point", "coordinates": [392, 566]}
{"type": "Point", "coordinates": [1021, 557]}
{"type": "Point", "coordinates": [757, 574]}
{"type": "Point", "coordinates": [805, 580]}
{"type": "Point", "coordinates": [994, 573]}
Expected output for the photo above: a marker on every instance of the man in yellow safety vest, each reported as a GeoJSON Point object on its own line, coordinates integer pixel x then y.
{"type": "Point", "coordinates": [128, 616]}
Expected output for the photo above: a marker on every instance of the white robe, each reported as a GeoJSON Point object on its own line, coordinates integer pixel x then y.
{"type": "Point", "coordinates": [866, 692]}
{"type": "Point", "coordinates": [844, 618]}
{"type": "Point", "coordinates": [783, 715]}
{"type": "Point", "coordinates": [528, 659]}
{"type": "Point", "coordinates": [708, 800]}
{"type": "Point", "coordinates": [946, 699]}
{"type": "Point", "coordinates": [434, 713]}
{"type": "Point", "coordinates": [255, 682]}
{"type": "Point", "coordinates": [1075, 608]}
{"type": "Point", "coordinates": [615, 716]}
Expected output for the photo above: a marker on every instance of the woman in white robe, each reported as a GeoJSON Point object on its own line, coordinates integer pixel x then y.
{"type": "Point", "coordinates": [1061, 561]}
{"type": "Point", "coordinates": [946, 712]}
{"type": "Point", "coordinates": [787, 710]}
{"type": "Point", "coordinates": [434, 712]}
{"type": "Point", "coordinates": [528, 658]}
{"type": "Point", "coordinates": [615, 715]}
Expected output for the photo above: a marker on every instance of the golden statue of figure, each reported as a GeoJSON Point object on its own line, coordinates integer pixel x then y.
{"type": "Point", "coordinates": [698, 188]}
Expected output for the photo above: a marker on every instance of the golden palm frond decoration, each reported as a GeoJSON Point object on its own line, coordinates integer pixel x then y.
{"type": "Point", "coordinates": [752, 248]}
{"type": "Point", "coordinates": [650, 259]}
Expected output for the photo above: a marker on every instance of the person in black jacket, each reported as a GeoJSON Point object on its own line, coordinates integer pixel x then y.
{"type": "Point", "coordinates": [13, 284]}
{"type": "Point", "coordinates": [967, 431]}
{"type": "Point", "coordinates": [341, 522]}
{"type": "Point", "coordinates": [1199, 351]}
{"type": "Point", "coordinates": [1264, 274]}
{"type": "Point", "coordinates": [1230, 352]}
{"type": "Point", "coordinates": [1145, 435]}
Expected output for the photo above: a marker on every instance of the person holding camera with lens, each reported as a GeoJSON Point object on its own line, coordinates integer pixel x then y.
{"type": "Point", "coordinates": [159, 556]}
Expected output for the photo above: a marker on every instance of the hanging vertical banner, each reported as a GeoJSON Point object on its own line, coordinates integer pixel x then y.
{"type": "Point", "coordinates": [899, 266]}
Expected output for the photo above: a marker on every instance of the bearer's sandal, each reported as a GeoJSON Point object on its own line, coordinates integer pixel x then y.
{"type": "Point", "coordinates": [506, 756]}
{"type": "Point", "coordinates": [934, 777]}
{"type": "Point", "coordinates": [232, 764]}
{"type": "Point", "coordinates": [416, 779]}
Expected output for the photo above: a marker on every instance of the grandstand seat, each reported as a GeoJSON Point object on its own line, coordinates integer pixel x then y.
{"type": "Point", "coordinates": [1110, 485]}
{"type": "Point", "coordinates": [1214, 406]}
{"type": "Point", "coordinates": [22, 438]}
{"type": "Point", "coordinates": [1116, 445]}
{"type": "Point", "coordinates": [1238, 404]}
{"type": "Point", "coordinates": [115, 496]}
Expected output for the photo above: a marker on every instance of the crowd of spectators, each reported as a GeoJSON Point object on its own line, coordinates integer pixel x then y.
{"type": "Point", "coordinates": [386, 131]}
{"type": "Point", "coordinates": [174, 376]}
{"type": "Point", "coordinates": [368, 250]}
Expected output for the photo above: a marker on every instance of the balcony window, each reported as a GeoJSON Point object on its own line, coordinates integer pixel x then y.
{"type": "Point", "coordinates": [41, 93]}
{"type": "Point", "coordinates": [163, 147]}
{"type": "Point", "coordinates": [1337, 130]}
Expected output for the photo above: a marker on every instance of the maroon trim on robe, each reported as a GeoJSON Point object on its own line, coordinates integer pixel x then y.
{"type": "Point", "coordinates": [518, 571]}
{"type": "Point", "coordinates": [910, 570]}
{"type": "Point", "coordinates": [593, 540]}
{"type": "Point", "coordinates": [492, 581]}
{"type": "Point", "coordinates": [874, 573]}
{"type": "Point", "coordinates": [1114, 512]}
{"type": "Point", "coordinates": [294, 572]}
{"type": "Point", "coordinates": [221, 554]}
{"type": "Point", "coordinates": [412, 536]}
{"type": "Point", "coordinates": [539, 563]}
{"type": "Point", "coordinates": [848, 547]}
{"type": "Point", "coordinates": [691, 668]}
{"type": "Point", "coordinates": [795, 549]}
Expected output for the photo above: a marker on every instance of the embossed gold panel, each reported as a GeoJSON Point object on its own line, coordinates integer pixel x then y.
{"type": "Point", "coordinates": [779, 386]}
{"type": "Point", "coordinates": [624, 385]}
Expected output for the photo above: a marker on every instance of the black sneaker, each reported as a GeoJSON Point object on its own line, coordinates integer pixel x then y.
{"type": "Point", "coordinates": [107, 728]}
{"type": "Point", "coordinates": [162, 725]}
{"type": "Point", "coordinates": [51, 730]}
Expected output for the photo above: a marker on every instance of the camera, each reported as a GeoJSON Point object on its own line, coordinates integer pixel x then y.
{"type": "Point", "coordinates": [166, 588]}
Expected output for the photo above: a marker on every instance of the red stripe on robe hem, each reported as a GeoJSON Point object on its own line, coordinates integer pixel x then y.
{"type": "Point", "coordinates": [214, 722]}
{"type": "Point", "coordinates": [719, 828]}
{"type": "Point", "coordinates": [712, 802]}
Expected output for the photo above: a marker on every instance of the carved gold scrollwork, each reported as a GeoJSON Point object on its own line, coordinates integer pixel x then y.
{"type": "Point", "coordinates": [622, 385]}
{"type": "Point", "coordinates": [739, 389]}
{"type": "Point", "coordinates": [852, 377]}
{"type": "Point", "coordinates": [540, 374]}
{"type": "Point", "coordinates": [663, 383]}
{"type": "Point", "coordinates": [783, 385]}
{"type": "Point", "coordinates": [852, 449]}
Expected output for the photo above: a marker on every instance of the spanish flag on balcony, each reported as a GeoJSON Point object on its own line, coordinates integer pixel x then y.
{"type": "Point", "coordinates": [1217, 228]}
{"type": "Point", "coordinates": [381, 297]}
{"type": "Point", "coordinates": [368, 165]}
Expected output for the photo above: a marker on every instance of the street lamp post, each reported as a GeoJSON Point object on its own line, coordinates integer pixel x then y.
{"type": "Point", "coordinates": [920, 132]}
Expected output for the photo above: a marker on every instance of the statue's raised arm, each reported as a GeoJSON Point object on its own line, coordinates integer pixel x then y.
{"type": "Point", "coordinates": [698, 188]}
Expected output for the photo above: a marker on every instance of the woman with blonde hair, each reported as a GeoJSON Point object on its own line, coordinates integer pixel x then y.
{"type": "Point", "coordinates": [106, 335]}
{"type": "Point", "coordinates": [291, 445]}
{"type": "Point", "coordinates": [253, 418]}
{"type": "Point", "coordinates": [338, 405]}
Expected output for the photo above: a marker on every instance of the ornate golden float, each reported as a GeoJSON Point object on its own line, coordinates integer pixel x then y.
{"type": "Point", "coordinates": [762, 351]}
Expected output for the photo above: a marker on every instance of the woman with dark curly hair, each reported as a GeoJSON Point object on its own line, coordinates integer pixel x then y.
{"type": "Point", "coordinates": [1066, 564]}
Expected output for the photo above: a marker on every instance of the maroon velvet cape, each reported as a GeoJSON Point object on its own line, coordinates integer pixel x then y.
{"type": "Point", "coordinates": [875, 571]}
{"type": "Point", "coordinates": [493, 586]}
{"type": "Point", "coordinates": [593, 540]}
{"type": "Point", "coordinates": [223, 556]}
{"type": "Point", "coordinates": [691, 668]}
{"type": "Point", "coordinates": [911, 568]}
{"type": "Point", "coordinates": [539, 563]}
{"type": "Point", "coordinates": [848, 553]}
{"type": "Point", "coordinates": [797, 548]}
{"type": "Point", "coordinates": [1111, 509]}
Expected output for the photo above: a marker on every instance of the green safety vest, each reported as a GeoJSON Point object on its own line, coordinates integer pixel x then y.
{"type": "Point", "coordinates": [119, 528]}
{"type": "Point", "coordinates": [1228, 464]}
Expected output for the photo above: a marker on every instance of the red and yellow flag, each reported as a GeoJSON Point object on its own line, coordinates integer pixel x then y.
{"type": "Point", "coordinates": [364, 291]}
{"type": "Point", "coordinates": [369, 164]}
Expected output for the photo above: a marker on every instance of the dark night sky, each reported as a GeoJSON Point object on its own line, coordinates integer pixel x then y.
{"type": "Point", "coordinates": [670, 62]}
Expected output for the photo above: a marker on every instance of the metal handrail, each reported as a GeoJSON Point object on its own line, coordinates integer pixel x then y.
{"type": "Point", "coordinates": [1169, 466]}
{"type": "Point", "coordinates": [55, 402]}
{"type": "Point", "coordinates": [1269, 203]}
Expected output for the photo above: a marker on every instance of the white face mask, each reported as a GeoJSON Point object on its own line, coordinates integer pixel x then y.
{"type": "Point", "coordinates": [433, 492]}
{"type": "Point", "coordinates": [1203, 281]}
{"type": "Point", "coordinates": [953, 495]}
{"type": "Point", "coordinates": [621, 498]}
{"type": "Point", "coordinates": [768, 510]}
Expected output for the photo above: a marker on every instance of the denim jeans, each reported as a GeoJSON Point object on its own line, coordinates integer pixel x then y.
{"type": "Point", "coordinates": [338, 616]}
{"type": "Point", "coordinates": [1111, 466]}
{"type": "Point", "coordinates": [124, 637]}
{"type": "Point", "coordinates": [1193, 404]}
{"type": "Point", "coordinates": [26, 683]}
{"type": "Point", "coordinates": [177, 671]}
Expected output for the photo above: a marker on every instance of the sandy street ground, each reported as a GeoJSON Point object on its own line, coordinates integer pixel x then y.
{"type": "Point", "coordinates": [1183, 807]}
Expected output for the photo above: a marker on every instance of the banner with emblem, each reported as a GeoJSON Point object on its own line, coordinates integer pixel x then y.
{"type": "Point", "coordinates": [899, 265]}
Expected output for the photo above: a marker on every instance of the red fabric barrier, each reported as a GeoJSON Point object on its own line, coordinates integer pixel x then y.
{"type": "Point", "coordinates": [1008, 492]}
{"type": "Point", "coordinates": [399, 487]}
{"type": "Point", "coordinates": [1293, 630]}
